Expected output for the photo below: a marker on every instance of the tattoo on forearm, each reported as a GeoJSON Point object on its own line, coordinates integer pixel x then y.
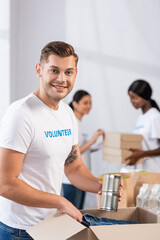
{"type": "Point", "coordinates": [71, 157]}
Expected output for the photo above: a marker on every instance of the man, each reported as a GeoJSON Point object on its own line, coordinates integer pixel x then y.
{"type": "Point", "coordinates": [38, 137]}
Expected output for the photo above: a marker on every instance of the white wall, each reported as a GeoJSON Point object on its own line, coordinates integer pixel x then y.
{"type": "Point", "coordinates": [34, 23]}
{"type": "Point", "coordinates": [117, 41]}
{"type": "Point", "coordinates": [4, 55]}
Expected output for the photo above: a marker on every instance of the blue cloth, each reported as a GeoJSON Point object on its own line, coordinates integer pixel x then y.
{"type": "Point", "coordinates": [91, 220]}
{"type": "Point", "coordinates": [74, 195]}
{"type": "Point", "coordinates": [9, 233]}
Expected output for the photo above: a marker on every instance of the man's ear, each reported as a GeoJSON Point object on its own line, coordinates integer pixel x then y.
{"type": "Point", "coordinates": [38, 70]}
{"type": "Point", "coordinates": [76, 72]}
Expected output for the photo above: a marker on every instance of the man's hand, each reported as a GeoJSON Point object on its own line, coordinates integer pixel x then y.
{"type": "Point", "coordinates": [120, 194]}
{"type": "Point", "coordinates": [68, 208]}
{"type": "Point", "coordinates": [134, 157]}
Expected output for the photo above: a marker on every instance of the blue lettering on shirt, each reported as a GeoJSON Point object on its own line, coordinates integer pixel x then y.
{"type": "Point", "coordinates": [57, 133]}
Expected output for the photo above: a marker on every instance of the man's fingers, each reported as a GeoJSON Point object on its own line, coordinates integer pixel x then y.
{"type": "Point", "coordinates": [120, 190]}
{"type": "Point", "coordinates": [121, 183]}
{"type": "Point", "coordinates": [79, 218]}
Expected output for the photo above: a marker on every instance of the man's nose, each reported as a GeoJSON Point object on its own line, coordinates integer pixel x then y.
{"type": "Point", "coordinates": [61, 77]}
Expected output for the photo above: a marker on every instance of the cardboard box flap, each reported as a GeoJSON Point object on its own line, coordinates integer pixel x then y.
{"type": "Point", "coordinates": [129, 137]}
{"type": "Point", "coordinates": [146, 216]}
{"type": "Point", "coordinates": [116, 151]}
{"type": "Point", "coordinates": [58, 226]}
{"type": "Point", "coordinates": [125, 232]}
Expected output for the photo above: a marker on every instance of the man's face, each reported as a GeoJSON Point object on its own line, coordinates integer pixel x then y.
{"type": "Point", "coordinates": [57, 77]}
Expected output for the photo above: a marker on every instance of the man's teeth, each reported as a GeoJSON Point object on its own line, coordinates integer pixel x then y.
{"type": "Point", "coordinates": [59, 87]}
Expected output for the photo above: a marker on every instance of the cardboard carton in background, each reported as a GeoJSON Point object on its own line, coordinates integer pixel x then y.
{"type": "Point", "coordinates": [113, 158]}
{"type": "Point", "coordinates": [116, 152]}
{"type": "Point", "coordinates": [62, 227]}
{"type": "Point", "coordinates": [116, 146]}
{"type": "Point", "coordinates": [122, 140]}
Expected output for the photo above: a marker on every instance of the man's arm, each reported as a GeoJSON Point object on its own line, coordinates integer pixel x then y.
{"type": "Point", "coordinates": [79, 175]}
{"type": "Point", "coordinates": [15, 189]}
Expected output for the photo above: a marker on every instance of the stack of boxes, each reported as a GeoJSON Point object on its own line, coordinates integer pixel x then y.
{"type": "Point", "coordinates": [116, 146]}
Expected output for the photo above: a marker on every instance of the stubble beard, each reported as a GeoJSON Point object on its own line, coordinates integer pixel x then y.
{"type": "Point", "coordinates": [55, 96]}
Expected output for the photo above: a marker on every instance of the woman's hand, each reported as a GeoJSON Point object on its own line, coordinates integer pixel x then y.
{"type": "Point", "coordinates": [134, 157]}
{"type": "Point", "coordinates": [97, 134]}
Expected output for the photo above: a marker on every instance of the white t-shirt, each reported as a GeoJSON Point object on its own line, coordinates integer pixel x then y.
{"type": "Point", "coordinates": [82, 139]}
{"type": "Point", "coordinates": [148, 125]}
{"type": "Point", "coordinates": [46, 138]}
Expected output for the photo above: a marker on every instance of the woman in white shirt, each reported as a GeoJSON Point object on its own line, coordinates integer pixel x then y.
{"type": "Point", "coordinates": [148, 125]}
{"type": "Point", "coordinates": [81, 105]}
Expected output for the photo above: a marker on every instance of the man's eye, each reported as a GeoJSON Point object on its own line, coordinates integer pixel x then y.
{"type": "Point", "coordinates": [54, 71]}
{"type": "Point", "coordinates": [69, 72]}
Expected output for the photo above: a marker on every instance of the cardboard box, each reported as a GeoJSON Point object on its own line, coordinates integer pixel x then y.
{"type": "Point", "coordinates": [120, 159]}
{"type": "Point", "coordinates": [62, 227]}
{"type": "Point", "coordinates": [121, 140]}
{"type": "Point", "coordinates": [112, 158]}
{"type": "Point", "coordinates": [116, 145]}
{"type": "Point", "coordinates": [118, 152]}
{"type": "Point", "coordinates": [115, 154]}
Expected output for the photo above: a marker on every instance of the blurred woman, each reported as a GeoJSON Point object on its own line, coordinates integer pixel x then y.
{"type": "Point", "coordinates": [148, 125]}
{"type": "Point", "coordinates": [81, 105]}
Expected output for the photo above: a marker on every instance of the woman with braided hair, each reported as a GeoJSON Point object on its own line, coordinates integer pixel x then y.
{"type": "Point", "coordinates": [148, 125]}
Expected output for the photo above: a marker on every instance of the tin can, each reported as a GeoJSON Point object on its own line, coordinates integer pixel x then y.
{"type": "Point", "coordinates": [110, 189]}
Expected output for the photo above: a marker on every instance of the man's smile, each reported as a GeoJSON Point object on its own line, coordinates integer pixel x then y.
{"type": "Point", "coordinates": [59, 86]}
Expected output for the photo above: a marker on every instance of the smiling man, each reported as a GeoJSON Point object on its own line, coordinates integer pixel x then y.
{"type": "Point", "coordinates": [57, 77]}
{"type": "Point", "coordinates": [38, 141]}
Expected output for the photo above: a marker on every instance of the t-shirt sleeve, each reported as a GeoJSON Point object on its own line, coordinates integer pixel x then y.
{"type": "Point", "coordinates": [155, 127]}
{"type": "Point", "coordinates": [16, 131]}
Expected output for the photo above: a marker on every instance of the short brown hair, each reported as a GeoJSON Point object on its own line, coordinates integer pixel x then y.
{"type": "Point", "coordinates": [59, 48]}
